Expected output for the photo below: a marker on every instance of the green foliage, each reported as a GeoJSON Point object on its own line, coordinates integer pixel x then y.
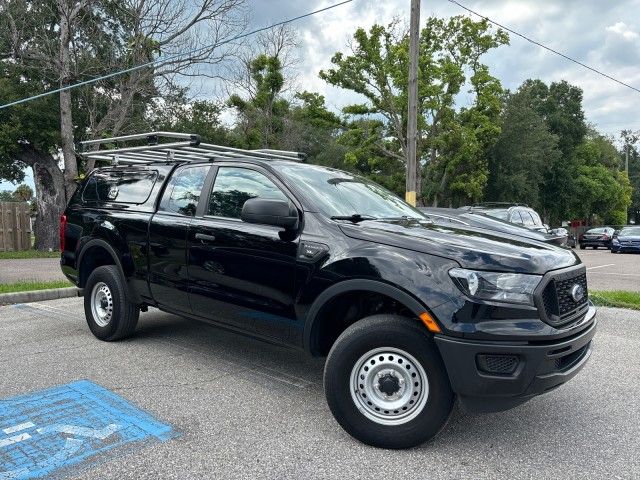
{"type": "Point", "coordinates": [199, 117]}
{"type": "Point", "coordinates": [519, 159]}
{"type": "Point", "coordinates": [452, 141]}
{"type": "Point", "coordinates": [261, 117]}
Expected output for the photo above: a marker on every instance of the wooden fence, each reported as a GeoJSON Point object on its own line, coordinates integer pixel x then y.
{"type": "Point", "coordinates": [15, 226]}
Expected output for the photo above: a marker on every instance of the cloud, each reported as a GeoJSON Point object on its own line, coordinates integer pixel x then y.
{"type": "Point", "coordinates": [605, 35]}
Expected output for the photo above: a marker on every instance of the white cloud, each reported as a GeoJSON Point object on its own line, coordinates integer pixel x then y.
{"type": "Point", "coordinates": [604, 35]}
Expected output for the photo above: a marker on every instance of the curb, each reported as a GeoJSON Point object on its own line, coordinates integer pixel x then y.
{"type": "Point", "coordinates": [39, 295]}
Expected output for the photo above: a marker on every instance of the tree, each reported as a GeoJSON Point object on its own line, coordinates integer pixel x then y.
{"type": "Point", "coordinates": [519, 158]}
{"type": "Point", "coordinates": [450, 50]}
{"type": "Point", "coordinates": [630, 139]}
{"type": "Point", "coordinates": [311, 128]}
{"type": "Point", "coordinates": [55, 43]}
{"type": "Point", "coordinates": [30, 138]}
{"type": "Point", "coordinates": [23, 193]}
{"type": "Point", "coordinates": [261, 116]}
{"type": "Point", "coordinates": [560, 105]}
{"type": "Point", "coordinates": [198, 117]}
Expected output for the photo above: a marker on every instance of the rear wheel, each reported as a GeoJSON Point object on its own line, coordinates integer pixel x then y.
{"type": "Point", "coordinates": [582, 247]}
{"type": "Point", "coordinates": [386, 384]}
{"type": "Point", "coordinates": [110, 315]}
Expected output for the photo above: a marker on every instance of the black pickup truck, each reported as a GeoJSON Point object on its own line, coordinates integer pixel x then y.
{"type": "Point", "coordinates": [410, 315]}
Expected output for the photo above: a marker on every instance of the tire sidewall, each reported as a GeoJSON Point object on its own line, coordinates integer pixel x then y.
{"type": "Point", "coordinates": [395, 332]}
{"type": "Point", "coordinates": [108, 275]}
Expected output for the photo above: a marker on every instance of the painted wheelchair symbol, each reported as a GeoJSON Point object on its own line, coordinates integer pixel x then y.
{"type": "Point", "coordinates": [72, 444]}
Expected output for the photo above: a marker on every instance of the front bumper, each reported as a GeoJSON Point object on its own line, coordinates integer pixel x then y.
{"type": "Point", "coordinates": [619, 247]}
{"type": "Point", "coordinates": [534, 367]}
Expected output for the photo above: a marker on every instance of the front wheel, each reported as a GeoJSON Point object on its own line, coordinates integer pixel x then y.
{"type": "Point", "coordinates": [110, 315]}
{"type": "Point", "coordinates": [386, 384]}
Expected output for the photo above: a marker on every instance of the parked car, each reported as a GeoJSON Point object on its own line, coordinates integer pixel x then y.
{"type": "Point", "coordinates": [409, 314]}
{"type": "Point", "coordinates": [471, 218]}
{"type": "Point", "coordinates": [626, 240]}
{"type": "Point", "coordinates": [596, 237]}
{"type": "Point", "coordinates": [518, 214]}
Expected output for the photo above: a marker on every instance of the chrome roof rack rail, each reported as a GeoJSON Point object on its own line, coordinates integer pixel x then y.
{"type": "Point", "coordinates": [177, 147]}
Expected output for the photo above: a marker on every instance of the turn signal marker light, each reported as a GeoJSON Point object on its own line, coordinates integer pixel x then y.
{"type": "Point", "coordinates": [429, 322]}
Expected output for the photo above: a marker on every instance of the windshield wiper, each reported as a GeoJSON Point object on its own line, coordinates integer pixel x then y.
{"type": "Point", "coordinates": [355, 218]}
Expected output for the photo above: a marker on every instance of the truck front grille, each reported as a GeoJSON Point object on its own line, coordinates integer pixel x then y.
{"type": "Point", "coordinates": [559, 305]}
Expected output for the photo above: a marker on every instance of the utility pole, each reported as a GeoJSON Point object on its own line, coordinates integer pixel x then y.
{"type": "Point", "coordinates": [626, 159]}
{"type": "Point", "coordinates": [413, 185]}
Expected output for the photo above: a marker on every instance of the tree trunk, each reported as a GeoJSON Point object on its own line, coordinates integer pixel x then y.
{"type": "Point", "coordinates": [66, 118]}
{"type": "Point", "coordinates": [50, 202]}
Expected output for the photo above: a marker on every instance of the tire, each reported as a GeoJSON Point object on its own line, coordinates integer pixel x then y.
{"type": "Point", "coordinates": [110, 315]}
{"type": "Point", "coordinates": [582, 247]}
{"type": "Point", "coordinates": [409, 353]}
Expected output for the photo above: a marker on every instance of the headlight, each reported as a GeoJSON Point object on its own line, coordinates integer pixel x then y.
{"type": "Point", "coordinates": [615, 240]}
{"type": "Point", "coordinates": [498, 287]}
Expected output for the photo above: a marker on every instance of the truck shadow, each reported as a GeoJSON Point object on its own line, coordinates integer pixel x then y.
{"type": "Point", "coordinates": [548, 421]}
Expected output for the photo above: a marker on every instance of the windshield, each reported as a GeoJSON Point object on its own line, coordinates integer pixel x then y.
{"type": "Point", "coordinates": [339, 193]}
{"type": "Point", "coordinates": [630, 231]}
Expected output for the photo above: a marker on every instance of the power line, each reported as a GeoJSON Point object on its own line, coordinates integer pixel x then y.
{"type": "Point", "coordinates": [171, 57]}
{"type": "Point", "coordinates": [567, 57]}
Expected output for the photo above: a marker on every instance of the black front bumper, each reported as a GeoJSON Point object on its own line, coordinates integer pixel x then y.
{"type": "Point", "coordinates": [490, 377]}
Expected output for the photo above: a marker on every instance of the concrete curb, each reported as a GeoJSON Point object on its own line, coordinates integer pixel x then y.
{"type": "Point", "coordinates": [39, 295]}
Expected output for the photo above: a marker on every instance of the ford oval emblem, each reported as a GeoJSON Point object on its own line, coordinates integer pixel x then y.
{"type": "Point", "coordinates": [577, 293]}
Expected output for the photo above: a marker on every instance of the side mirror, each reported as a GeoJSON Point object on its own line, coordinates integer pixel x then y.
{"type": "Point", "coordinates": [270, 211]}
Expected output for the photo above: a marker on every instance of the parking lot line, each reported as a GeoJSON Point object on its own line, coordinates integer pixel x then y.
{"type": "Point", "coordinates": [618, 274]}
{"type": "Point", "coordinates": [602, 266]}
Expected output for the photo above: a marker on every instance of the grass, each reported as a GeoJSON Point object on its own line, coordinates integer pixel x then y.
{"type": "Point", "coordinates": [28, 254]}
{"type": "Point", "coordinates": [29, 286]}
{"type": "Point", "coordinates": [616, 298]}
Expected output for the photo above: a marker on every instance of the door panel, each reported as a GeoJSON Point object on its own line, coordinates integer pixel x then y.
{"type": "Point", "coordinates": [168, 278]}
{"type": "Point", "coordinates": [242, 274]}
{"type": "Point", "coordinates": [168, 230]}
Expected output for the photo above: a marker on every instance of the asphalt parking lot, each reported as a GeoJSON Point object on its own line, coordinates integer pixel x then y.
{"type": "Point", "coordinates": [242, 408]}
{"type": "Point", "coordinates": [608, 271]}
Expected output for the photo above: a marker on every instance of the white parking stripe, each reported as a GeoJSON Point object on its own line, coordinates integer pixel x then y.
{"type": "Point", "coordinates": [17, 428]}
{"type": "Point", "coordinates": [15, 439]}
{"type": "Point", "coordinates": [618, 274]}
{"type": "Point", "coordinates": [602, 266]}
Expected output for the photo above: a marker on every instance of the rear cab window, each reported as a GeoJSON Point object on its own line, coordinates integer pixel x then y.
{"type": "Point", "coordinates": [183, 191]}
{"type": "Point", "coordinates": [119, 186]}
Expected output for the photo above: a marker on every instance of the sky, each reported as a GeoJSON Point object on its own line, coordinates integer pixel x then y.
{"type": "Point", "coordinates": [604, 34]}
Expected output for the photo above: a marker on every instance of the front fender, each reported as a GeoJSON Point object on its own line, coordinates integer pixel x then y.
{"type": "Point", "coordinates": [420, 282]}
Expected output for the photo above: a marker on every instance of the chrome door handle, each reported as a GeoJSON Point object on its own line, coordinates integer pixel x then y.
{"type": "Point", "coordinates": [204, 238]}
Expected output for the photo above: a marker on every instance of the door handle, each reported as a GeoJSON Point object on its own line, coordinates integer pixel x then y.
{"type": "Point", "coordinates": [204, 238]}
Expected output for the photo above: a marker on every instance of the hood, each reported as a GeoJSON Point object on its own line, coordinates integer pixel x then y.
{"type": "Point", "coordinates": [471, 247]}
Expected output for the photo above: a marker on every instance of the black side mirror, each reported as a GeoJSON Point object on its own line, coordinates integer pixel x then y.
{"type": "Point", "coordinates": [270, 211]}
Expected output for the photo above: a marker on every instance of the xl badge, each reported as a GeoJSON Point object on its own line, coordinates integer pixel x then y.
{"type": "Point", "coordinates": [577, 293]}
{"type": "Point", "coordinates": [113, 192]}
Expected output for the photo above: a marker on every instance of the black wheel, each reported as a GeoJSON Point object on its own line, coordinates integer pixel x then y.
{"type": "Point", "coordinates": [110, 315]}
{"type": "Point", "coordinates": [582, 247]}
{"type": "Point", "coordinates": [386, 384]}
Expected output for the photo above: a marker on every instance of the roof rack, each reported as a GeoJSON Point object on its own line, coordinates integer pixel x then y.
{"type": "Point", "coordinates": [177, 147]}
{"type": "Point", "coordinates": [500, 204]}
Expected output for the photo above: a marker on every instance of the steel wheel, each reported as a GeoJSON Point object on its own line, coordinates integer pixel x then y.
{"type": "Point", "coordinates": [389, 386]}
{"type": "Point", "coordinates": [101, 304]}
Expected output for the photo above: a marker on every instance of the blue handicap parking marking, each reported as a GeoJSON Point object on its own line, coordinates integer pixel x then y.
{"type": "Point", "coordinates": [61, 426]}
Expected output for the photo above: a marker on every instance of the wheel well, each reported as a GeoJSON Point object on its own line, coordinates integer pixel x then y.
{"type": "Point", "coordinates": [93, 258]}
{"type": "Point", "coordinates": [344, 310]}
